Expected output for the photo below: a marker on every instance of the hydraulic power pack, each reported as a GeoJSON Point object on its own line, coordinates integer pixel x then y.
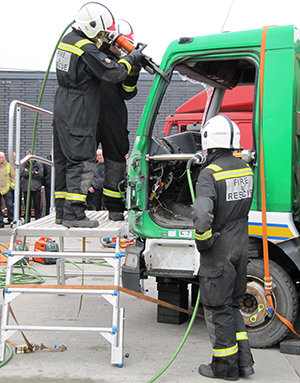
{"type": "Point", "coordinates": [45, 244]}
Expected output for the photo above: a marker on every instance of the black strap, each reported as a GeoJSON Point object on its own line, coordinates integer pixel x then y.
{"type": "Point", "coordinates": [231, 130]}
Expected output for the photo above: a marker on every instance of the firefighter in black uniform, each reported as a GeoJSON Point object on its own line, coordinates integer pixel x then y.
{"type": "Point", "coordinates": [220, 213]}
{"type": "Point", "coordinates": [112, 131]}
{"type": "Point", "coordinates": [80, 68]}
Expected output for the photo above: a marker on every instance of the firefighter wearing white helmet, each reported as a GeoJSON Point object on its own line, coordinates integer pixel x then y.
{"type": "Point", "coordinates": [220, 132]}
{"type": "Point", "coordinates": [124, 28]}
{"type": "Point", "coordinates": [112, 130]}
{"type": "Point", "coordinates": [220, 214]}
{"type": "Point", "coordinates": [80, 70]}
{"type": "Point", "coordinates": [93, 18]}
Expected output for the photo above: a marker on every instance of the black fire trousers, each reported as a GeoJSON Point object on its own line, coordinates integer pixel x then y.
{"type": "Point", "coordinates": [223, 279]}
{"type": "Point", "coordinates": [74, 161]}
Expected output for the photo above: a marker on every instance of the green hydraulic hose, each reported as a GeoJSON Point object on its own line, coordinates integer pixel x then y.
{"type": "Point", "coordinates": [31, 275]}
{"type": "Point", "coordinates": [196, 304]}
{"type": "Point", "coordinates": [190, 181]}
{"type": "Point", "coordinates": [10, 355]}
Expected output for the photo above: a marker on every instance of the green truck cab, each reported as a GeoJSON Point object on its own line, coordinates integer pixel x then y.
{"type": "Point", "coordinates": [158, 197]}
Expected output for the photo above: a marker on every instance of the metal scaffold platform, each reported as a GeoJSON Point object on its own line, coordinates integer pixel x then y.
{"type": "Point", "coordinates": [46, 227]}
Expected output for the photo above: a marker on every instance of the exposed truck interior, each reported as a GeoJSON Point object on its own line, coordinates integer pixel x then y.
{"type": "Point", "coordinates": [169, 197]}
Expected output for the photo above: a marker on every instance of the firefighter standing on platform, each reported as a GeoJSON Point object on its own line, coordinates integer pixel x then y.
{"type": "Point", "coordinates": [80, 68]}
{"type": "Point", "coordinates": [220, 213]}
{"type": "Point", "coordinates": [112, 131]}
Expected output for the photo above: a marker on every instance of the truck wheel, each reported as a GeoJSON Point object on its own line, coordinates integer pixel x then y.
{"type": "Point", "coordinates": [263, 330]}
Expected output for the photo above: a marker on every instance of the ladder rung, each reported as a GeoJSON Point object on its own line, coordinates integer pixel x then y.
{"type": "Point", "coordinates": [88, 274]}
{"type": "Point", "coordinates": [61, 289]}
{"type": "Point", "coordinates": [65, 254]}
{"type": "Point", "coordinates": [57, 328]}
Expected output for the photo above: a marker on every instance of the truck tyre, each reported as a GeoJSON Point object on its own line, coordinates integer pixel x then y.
{"type": "Point", "coordinates": [263, 330]}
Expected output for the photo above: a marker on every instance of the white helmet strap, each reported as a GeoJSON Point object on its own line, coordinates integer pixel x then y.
{"type": "Point", "coordinates": [231, 131]}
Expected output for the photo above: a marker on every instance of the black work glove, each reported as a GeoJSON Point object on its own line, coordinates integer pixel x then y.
{"type": "Point", "coordinates": [207, 243]}
{"type": "Point", "coordinates": [134, 57]}
{"type": "Point", "coordinates": [135, 70]}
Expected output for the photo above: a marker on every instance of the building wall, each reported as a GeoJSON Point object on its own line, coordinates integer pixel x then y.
{"type": "Point", "coordinates": [26, 87]}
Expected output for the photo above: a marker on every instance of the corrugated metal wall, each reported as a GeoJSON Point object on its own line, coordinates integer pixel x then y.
{"type": "Point", "coordinates": [26, 86]}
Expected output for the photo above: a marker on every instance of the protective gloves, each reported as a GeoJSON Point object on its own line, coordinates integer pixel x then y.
{"type": "Point", "coordinates": [135, 70]}
{"type": "Point", "coordinates": [205, 240]}
{"type": "Point", "coordinates": [134, 57]}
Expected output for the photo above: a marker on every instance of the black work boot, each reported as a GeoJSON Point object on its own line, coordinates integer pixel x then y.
{"type": "Point", "coordinates": [59, 210]}
{"type": "Point", "coordinates": [116, 216]}
{"type": "Point", "coordinates": [74, 216]}
{"type": "Point", "coordinates": [205, 370]}
{"type": "Point", "coordinates": [246, 371]}
{"type": "Point", "coordinates": [85, 223]}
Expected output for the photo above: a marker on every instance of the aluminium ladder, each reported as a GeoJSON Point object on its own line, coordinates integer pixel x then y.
{"type": "Point", "coordinates": [46, 227]}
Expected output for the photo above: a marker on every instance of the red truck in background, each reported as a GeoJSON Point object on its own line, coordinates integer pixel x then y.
{"type": "Point", "coordinates": [237, 105]}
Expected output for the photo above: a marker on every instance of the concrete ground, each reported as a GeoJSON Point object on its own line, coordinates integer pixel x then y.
{"type": "Point", "coordinates": [149, 344]}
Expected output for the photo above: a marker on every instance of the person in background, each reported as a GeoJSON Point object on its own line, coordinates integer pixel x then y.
{"type": "Point", "coordinates": [80, 70]}
{"type": "Point", "coordinates": [7, 186]}
{"type": "Point", "coordinates": [112, 130]}
{"type": "Point", "coordinates": [224, 194]}
{"type": "Point", "coordinates": [35, 187]}
{"type": "Point", "coordinates": [96, 188]}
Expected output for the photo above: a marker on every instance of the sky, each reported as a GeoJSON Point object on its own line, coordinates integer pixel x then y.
{"type": "Point", "coordinates": [30, 28]}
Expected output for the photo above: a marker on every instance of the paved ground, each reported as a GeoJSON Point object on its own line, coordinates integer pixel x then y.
{"type": "Point", "coordinates": [148, 343]}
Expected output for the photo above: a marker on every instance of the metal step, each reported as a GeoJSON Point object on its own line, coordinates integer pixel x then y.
{"type": "Point", "coordinates": [46, 227]}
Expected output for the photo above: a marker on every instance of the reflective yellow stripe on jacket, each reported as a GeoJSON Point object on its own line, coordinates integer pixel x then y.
{"type": "Point", "coordinates": [233, 173]}
{"type": "Point", "coordinates": [128, 89]}
{"type": "Point", "coordinates": [202, 237]}
{"type": "Point", "coordinates": [83, 42]}
{"type": "Point", "coordinates": [112, 193]}
{"type": "Point", "coordinates": [128, 66]}
{"type": "Point", "coordinates": [223, 352]}
{"type": "Point", "coordinates": [214, 167]}
{"type": "Point", "coordinates": [70, 48]}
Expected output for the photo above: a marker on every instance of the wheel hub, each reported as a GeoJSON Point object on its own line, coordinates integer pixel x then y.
{"type": "Point", "coordinates": [254, 306]}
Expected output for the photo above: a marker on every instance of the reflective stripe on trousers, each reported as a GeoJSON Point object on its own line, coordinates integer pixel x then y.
{"type": "Point", "coordinates": [112, 193]}
{"type": "Point", "coordinates": [223, 352]}
{"type": "Point", "coordinates": [75, 197]}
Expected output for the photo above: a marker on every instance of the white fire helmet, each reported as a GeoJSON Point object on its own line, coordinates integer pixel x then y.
{"type": "Point", "coordinates": [95, 17]}
{"type": "Point", "coordinates": [124, 28]}
{"type": "Point", "coordinates": [220, 132]}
